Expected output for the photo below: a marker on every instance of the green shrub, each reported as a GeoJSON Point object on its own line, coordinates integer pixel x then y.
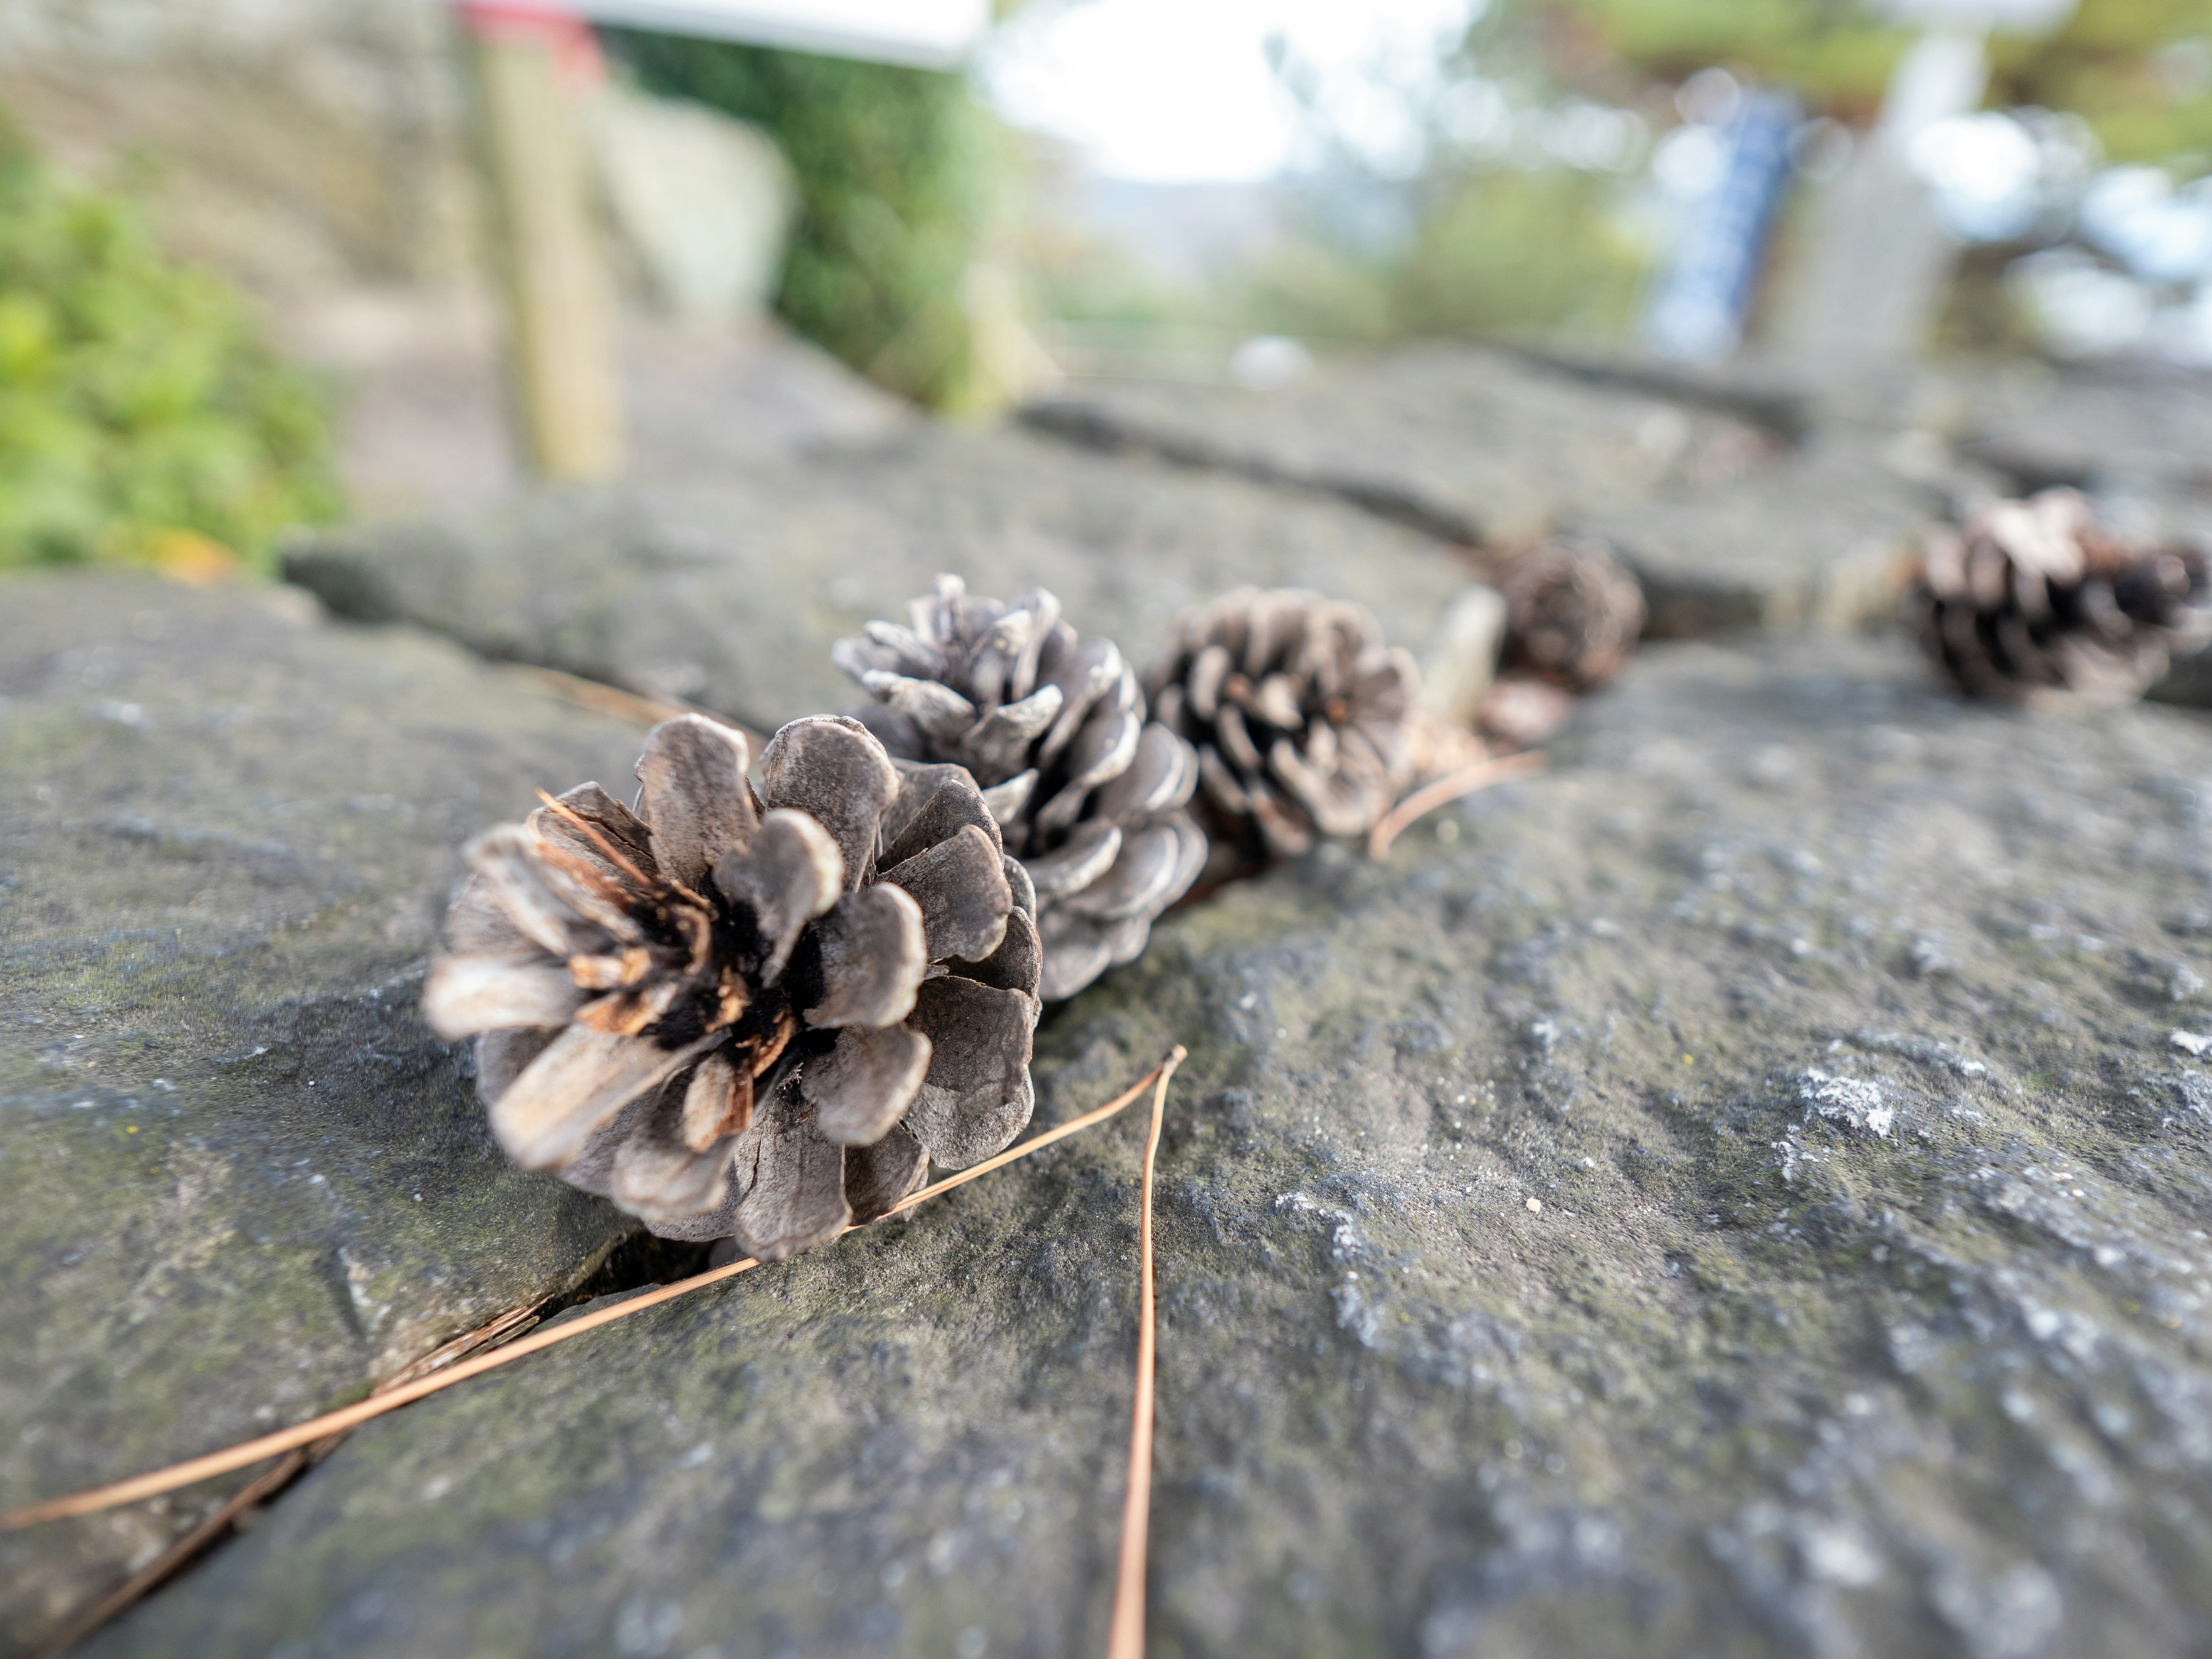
{"type": "Point", "coordinates": [140, 418]}
{"type": "Point", "coordinates": [894, 168]}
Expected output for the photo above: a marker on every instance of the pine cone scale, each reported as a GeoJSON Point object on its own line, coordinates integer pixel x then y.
{"type": "Point", "coordinates": [1088, 854]}
{"type": "Point", "coordinates": [1019, 960]}
{"type": "Point", "coordinates": [695, 797]}
{"type": "Point", "coordinates": [833, 771]}
{"type": "Point", "coordinates": [584, 1077]}
{"type": "Point", "coordinates": [872, 950]}
{"type": "Point", "coordinates": [949, 801]}
{"type": "Point", "coordinates": [961, 886]}
{"type": "Point", "coordinates": [796, 1199]}
{"type": "Point", "coordinates": [1153, 866]}
{"type": "Point", "coordinates": [794, 874]}
{"type": "Point", "coordinates": [862, 1087]}
{"type": "Point", "coordinates": [1161, 776]}
{"type": "Point", "coordinates": [975, 1096]}
{"type": "Point", "coordinates": [597, 827]}
{"type": "Point", "coordinates": [879, 1176]}
{"type": "Point", "coordinates": [480, 993]}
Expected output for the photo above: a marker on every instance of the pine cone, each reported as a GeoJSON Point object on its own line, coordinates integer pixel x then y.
{"type": "Point", "coordinates": [1305, 723]}
{"type": "Point", "coordinates": [758, 1014]}
{"type": "Point", "coordinates": [1091, 797]}
{"type": "Point", "coordinates": [2034, 595]}
{"type": "Point", "coordinates": [1573, 612]}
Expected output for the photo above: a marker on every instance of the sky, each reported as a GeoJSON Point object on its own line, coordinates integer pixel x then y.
{"type": "Point", "coordinates": [1182, 91]}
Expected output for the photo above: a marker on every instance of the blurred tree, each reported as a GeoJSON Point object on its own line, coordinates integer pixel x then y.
{"type": "Point", "coordinates": [895, 168]}
{"type": "Point", "coordinates": [141, 415]}
{"type": "Point", "coordinates": [1836, 55]}
{"type": "Point", "coordinates": [2139, 71]}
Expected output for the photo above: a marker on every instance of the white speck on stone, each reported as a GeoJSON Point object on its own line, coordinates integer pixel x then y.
{"type": "Point", "coordinates": [1852, 1102]}
{"type": "Point", "coordinates": [1837, 1552]}
{"type": "Point", "coordinates": [698, 1455]}
{"type": "Point", "coordinates": [2191, 1043]}
{"type": "Point", "coordinates": [1534, 1206]}
{"type": "Point", "coordinates": [644, 1629]}
{"type": "Point", "coordinates": [1928, 958]}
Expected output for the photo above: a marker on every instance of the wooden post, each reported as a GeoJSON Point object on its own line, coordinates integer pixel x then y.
{"type": "Point", "coordinates": [532, 65]}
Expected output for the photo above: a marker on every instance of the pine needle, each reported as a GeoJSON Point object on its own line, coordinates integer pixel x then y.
{"type": "Point", "coordinates": [258, 1491]}
{"type": "Point", "coordinates": [1125, 1638]}
{"type": "Point", "coordinates": [249, 1452]}
{"type": "Point", "coordinates": [1451, 788]}
{"type": "Point", "coordinates": [618, 704]}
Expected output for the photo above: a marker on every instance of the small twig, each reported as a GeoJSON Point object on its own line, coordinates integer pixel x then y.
{"type": "Point", "coordinates": [1465, 781]}
{"type": "Point", "coordinates": [249, 1452]}
{"type": "Point", "coordinates": [1125, 1638]}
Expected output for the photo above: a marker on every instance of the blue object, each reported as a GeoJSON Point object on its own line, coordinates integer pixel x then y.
{"type": "Point", "coordinates": [1704, 297]}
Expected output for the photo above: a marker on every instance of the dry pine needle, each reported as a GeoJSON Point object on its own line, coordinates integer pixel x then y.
{"type": "Point", "coordinates": [247, 1453]}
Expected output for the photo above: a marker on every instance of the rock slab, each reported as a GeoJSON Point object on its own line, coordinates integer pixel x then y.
{"type": "Point", "coordinates": [1745, 1191]}
{"type": "Point", "coordinates": [729, 593]}
{"type": "Point", "coordinates": [243, 1180]}
{"type": "Point", "coordinates": [1738, 505]}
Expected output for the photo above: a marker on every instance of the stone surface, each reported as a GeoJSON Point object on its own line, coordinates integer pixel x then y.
{"type": "Point", "coordinates": [730, 594]}
{"type": "Point", "coordinates": [1812, 537]}
{"type": "Point", "coordinates": [2132, 427]}
{"type": "Point", "coordinates": [423, 419]}
{"type": "Point", "coordinates": [1737, 506]}
{"type": "Point", "coordinates": [241, 1179]}
{"type": "Point", "coordinates": [1744, 1192]}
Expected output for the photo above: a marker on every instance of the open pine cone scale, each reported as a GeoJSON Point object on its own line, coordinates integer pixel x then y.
{"type": "Point", "coordinates": [1090, 796]}
{"type": "Point", "coordinates": [749, 1014]}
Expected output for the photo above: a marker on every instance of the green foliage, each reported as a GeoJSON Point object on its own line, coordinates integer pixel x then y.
{"type": "Point", "coordinates": [2103, 66]}
{"type": "Point", "coordinates": [1836, 54]}
{"type": "Point", "coordinates": [140, 418]}
{"type": "Point", "coordinates": [1514, 250]}
{"type": "Point", "coordinates": [894, 167]}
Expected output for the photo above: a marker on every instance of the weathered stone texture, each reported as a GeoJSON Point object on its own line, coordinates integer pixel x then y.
{"type": "Point", "coordinates": [1737, 505]}
{"type": "Point", "coordinates": [2140, 427]}
{"type": "Point", "coordinates": [730, 594]}
{"type": "Point", "coordinates": [241, 1179]}
{"type": "Point", "coordinates": [1741, 1193]}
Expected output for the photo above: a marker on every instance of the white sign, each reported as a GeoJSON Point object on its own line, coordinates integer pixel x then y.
{"type": "Point", "coordinates": [929, 33]}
